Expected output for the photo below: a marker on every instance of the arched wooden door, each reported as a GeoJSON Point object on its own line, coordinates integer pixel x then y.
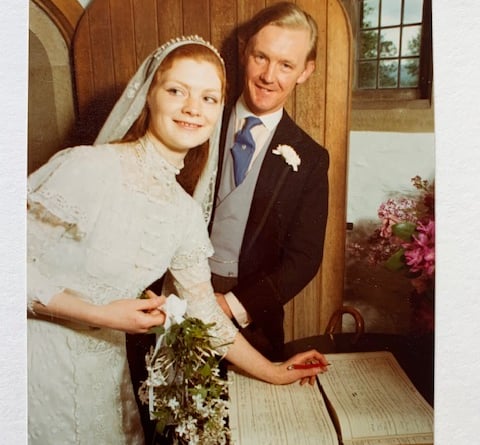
{"type": "Point", "coordinates": [114, 36]}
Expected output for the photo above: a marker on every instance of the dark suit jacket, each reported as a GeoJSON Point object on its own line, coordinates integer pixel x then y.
{"type": "Point", "coordinates": [282, 246]}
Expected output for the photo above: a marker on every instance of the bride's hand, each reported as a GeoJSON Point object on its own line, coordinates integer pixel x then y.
{"type": "Point", "coordinates": [303, 366]}
{"type": "Point", "coordinates": [134, 316]}
{"type": "Point", "coordinates": [150, 294]}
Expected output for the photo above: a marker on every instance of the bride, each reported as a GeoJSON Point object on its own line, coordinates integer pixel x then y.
{"type": "Point", "coordinates": [104, 222]}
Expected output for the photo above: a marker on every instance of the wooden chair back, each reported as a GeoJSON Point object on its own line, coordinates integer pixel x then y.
{"type": "Point", "coordinates": [114, 36]}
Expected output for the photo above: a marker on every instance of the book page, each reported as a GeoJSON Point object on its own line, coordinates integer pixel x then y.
{"type": "Point", "coordinates": [265, 414]}
{"type": "Point", "coordinates": [373, 397]}
{"type": "Point", "coordinates": [420, 439]}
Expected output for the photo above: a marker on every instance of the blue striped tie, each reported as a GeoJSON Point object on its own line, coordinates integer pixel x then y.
{"type": "Point", "coordinates": [243, 149]}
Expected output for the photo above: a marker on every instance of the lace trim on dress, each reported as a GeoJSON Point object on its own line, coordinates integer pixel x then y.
{"type": "Point", "coordinates": [193, 257]}
{"type": "Point", "coordinates": [44, 215]}
{"type": "Point", "coordinates": [208, 199]}
{"type": "Point", "coordinates": [147, 172]}
{"type": "Point", "coordinates": [203, 304]}
{"type": "Point", "coordinates": [194, 285]}
{"type": "Point", "coordinates": [55, 186]}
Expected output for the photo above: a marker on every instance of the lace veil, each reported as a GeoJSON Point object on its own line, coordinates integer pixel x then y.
{"type": "Point", "coordinates": [132, 101]}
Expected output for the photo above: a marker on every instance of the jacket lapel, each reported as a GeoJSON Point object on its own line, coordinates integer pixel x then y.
{"type": "Point", "coordinates": [271, 169]}
{"type": "Point", "coordinates": [271, 178]}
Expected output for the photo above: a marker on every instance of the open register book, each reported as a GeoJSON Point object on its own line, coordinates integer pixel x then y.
{"type": "Point", "coordinates": [363, 399]}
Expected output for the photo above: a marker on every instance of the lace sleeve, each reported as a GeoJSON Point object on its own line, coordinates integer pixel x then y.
{"type": "Point", "coordinates": [39, 286]}
{"type": "Point", "coordinates": [193, 284]}
{"type": "Point", "coordinates": [64, 198]}
{"type": "Point", "coordinates": [68, 189]}
{"type": "Point", "coordinates": [196, 245]}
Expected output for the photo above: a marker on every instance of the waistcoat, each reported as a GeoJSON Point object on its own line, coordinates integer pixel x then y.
{"type": "Point", "coordinates": [231, 215]}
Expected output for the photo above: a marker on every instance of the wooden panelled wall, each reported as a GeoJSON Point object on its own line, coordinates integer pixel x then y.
{"type": "Point", "coordinates": [114, 36]}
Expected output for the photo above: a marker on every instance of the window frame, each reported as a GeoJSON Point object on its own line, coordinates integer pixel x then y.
{"type": "Point", "coordinates": [387, 98]}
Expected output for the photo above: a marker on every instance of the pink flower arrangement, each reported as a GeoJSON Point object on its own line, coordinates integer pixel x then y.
{"type": "Point", "coordinates": [405, 240]}
{"type": "Point", "coordinates": [420, 253]}
{"type": "Point", "coordinates": [408, 226]}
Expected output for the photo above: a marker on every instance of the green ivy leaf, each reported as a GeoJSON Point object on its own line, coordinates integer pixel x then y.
{"type": "Point", "coordinates": [404, 230]}
{"type": "Point", "coordinates": [396, 261]}
{"type": "Point", "coordinates": [162, 417]}
{"type": "Point", "coordinates": [205, 370]}
{"type": "Point", "coordinates": [159, 330]}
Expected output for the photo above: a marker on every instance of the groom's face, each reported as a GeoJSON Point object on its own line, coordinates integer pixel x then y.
{"type": "Point", "coordinates": [275, 62]}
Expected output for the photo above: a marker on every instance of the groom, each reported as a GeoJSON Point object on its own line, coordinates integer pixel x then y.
{"type": "Point", "coordinates": [268, 226]}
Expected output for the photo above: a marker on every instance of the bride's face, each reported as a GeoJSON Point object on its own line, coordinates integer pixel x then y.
{"type": "Point", "coordinates": [185, 104]}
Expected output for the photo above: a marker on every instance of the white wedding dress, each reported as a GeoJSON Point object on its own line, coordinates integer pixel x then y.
{"type": "Point", "coordinates": [104, 222]}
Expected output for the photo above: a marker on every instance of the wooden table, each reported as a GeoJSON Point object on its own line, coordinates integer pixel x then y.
{"type": "Point", "coordinates": [414, 354]}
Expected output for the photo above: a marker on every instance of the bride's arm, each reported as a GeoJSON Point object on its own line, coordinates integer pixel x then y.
{"type": "Point", "coordinates": [128, 315]}
{"type": "Point", "coordinates": [201, 303]}
{"type": "Point", "coordinates": [243, 355]}
{"type": "Point", "coordinates": [46, 296]}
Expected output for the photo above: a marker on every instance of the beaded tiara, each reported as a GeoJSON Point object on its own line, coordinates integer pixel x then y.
{"type": "Point", "coordinates": [195, 39]}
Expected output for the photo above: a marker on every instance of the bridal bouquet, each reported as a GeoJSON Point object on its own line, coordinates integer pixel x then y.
{"type": "Point", "coordinates": [186, 394]}
{"type": "Point", "coordinates": [405, 241]}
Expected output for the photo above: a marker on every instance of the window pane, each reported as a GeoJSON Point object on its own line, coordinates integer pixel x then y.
{"type": "Point", "coordinates": [412, 12]}
{"type": "Point", "coordinates": [368, 44]}
{"type": "Point", "coordinates": [411, 41]}
{"type": "Point", "coordinates": [409, 72]}
{"type": "Point", "coordinates": [389, 50]}
{"type": "Point", "coordinates": [389, 42]}
{"type": "Point", "coordinates": [367, 75]}
{"type": "Point", "coordinates": [387, 74]}
{"type": "Point", "coordinates": [391, 12]}
{"type": "Point", "coordinates": [369, 14]}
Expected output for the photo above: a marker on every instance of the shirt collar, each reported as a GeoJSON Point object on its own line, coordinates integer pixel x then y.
{"type": "Point", "coordinates": [270, 121]}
